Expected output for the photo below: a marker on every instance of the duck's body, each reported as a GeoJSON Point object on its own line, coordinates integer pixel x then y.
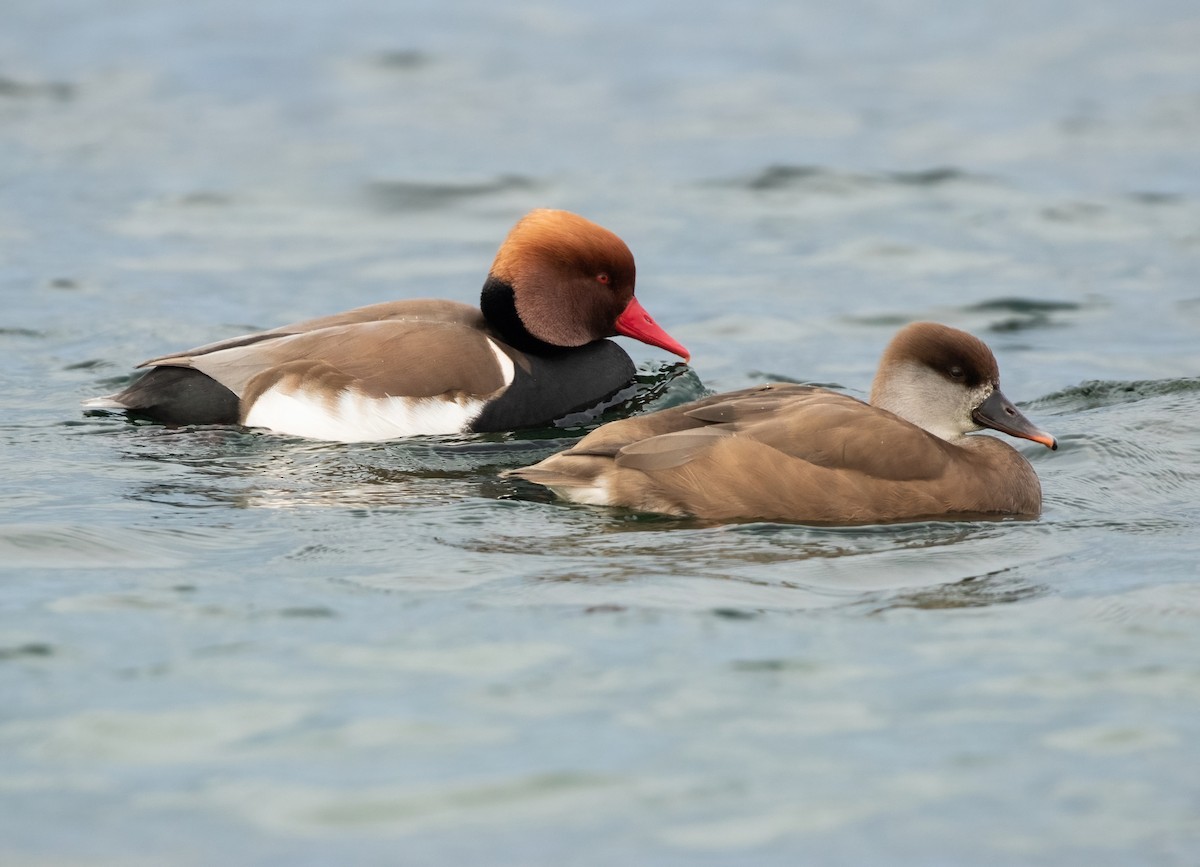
{"type": "Point", "coordinates": [396, 369]}
{"type": "Point", "coordinates": [807, 454]}
{"type": "Point", "coordinates": [532, 353]}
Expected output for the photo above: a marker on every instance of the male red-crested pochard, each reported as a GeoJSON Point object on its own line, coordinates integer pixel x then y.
{"type": "Point", "coordinates": [532, 352]}
{"type": "Point", "coordinates": [807, 454]}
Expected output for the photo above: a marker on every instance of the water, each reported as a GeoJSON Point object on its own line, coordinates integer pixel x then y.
{"type": "Point", "coordinates": [226, 646]}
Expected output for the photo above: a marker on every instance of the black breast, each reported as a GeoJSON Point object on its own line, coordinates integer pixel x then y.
{"type": "Point", "coordinates": [557, 385]}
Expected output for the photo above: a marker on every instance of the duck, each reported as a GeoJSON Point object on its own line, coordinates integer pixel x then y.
{"type": "Point", "coordinates": [535, 350]}
{"type": "Point", "coordinates": [807, 454]}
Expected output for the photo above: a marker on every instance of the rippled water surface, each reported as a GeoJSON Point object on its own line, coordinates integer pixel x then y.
{"type": "Point", "coordinates": [221, 646]}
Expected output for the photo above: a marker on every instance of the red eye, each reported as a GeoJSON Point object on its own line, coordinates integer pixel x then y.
{"type": "Point", "coordinates": [602, 277]}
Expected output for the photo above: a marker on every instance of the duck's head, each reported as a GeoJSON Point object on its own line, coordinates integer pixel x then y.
{"type": "Point", "coordinates": [561, 281]}
{"type": "Point", "coordinates": [947, 382]}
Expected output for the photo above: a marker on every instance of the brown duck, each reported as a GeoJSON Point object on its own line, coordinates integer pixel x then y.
{"type": "Point", "coordinates": [532, 352]}
{"type": "Point", "coordinates": [801, 453]}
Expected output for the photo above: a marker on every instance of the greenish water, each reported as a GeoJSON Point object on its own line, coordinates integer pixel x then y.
{"type": "Point", "coordinates": [223, 646]}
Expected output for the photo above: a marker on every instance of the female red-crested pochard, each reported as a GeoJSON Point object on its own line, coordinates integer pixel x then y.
{"type": "Point", "coordinates": [532, 352]}
{"type": "Point", "coordinates": [807, 454]}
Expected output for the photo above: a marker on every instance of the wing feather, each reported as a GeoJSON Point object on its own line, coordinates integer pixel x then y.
{"type": "Point", "coordinates": [378, 359]}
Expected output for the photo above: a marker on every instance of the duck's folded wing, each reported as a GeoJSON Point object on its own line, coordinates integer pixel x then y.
{"type": "Point", "coordinates": [838, 432]}
{"type": "Point", "coordinates": [768, 432]}
{"type": "Point", "coordinates": [748, 404]}
{"type": "Point", "coordinates": [375, 359]}
{"type": "Point", "coordinates": [659, 440]}
{"type": "Point", "coordinates": [670, 449]}
{"type": "Point", "coordinates": [650, 443]}
{"type": "Point", "coordinates": [421, 310]}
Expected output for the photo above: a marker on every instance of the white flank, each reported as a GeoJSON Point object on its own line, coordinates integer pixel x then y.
{"type": "Point", "coordinates": [356, 418]}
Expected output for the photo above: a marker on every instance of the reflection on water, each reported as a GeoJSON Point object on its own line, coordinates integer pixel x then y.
{"type": "Point", "coordinates": [231, 466]}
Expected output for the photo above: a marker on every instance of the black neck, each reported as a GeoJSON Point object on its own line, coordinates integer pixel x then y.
{"type": "Point", "coordinates": [500, 310]}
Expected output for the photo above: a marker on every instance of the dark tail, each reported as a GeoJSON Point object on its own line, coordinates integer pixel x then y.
{"type": "Point", "coordinates": [174, 395]}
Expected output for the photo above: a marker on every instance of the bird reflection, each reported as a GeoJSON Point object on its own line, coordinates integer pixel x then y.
{"type": "Point", "coordinates": [220, 466]}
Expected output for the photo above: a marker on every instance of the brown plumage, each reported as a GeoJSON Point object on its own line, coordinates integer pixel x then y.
{"type": "Point", "coordinates": [444, 343]}
{"type": "Point", "coordinates": [801, 453]}
{"type": "Point", "coordinates": [532, 352]}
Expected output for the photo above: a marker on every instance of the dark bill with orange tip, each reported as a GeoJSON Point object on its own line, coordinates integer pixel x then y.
{"type": "Point", "coordinates": [635, 322]}
{"type": "Point", "coordinates": [998, 413]}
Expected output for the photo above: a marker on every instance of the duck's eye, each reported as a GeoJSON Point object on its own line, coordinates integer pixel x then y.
{"type": "Point", "coordinates": [603, 278]}
{"type": "Point", "coordinates": [956, 372]}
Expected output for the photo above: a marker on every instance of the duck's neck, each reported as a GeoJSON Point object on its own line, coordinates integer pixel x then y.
{"type": "Point", "coordinates": [499, 305]}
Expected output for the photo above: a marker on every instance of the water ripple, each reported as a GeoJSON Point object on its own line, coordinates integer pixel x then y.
{"type": "Point", "coordinates": [1100, 393]}
{"type": "Point", "coordinates": [423, 195]}
{"type": "Point", "coordinates": [66, 546]}
{"type": "Point", "coordinates": [823, 180]}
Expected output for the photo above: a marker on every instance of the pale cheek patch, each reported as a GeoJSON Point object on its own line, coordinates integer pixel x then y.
{"type": "Point", "coordinates": [354, 417]}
